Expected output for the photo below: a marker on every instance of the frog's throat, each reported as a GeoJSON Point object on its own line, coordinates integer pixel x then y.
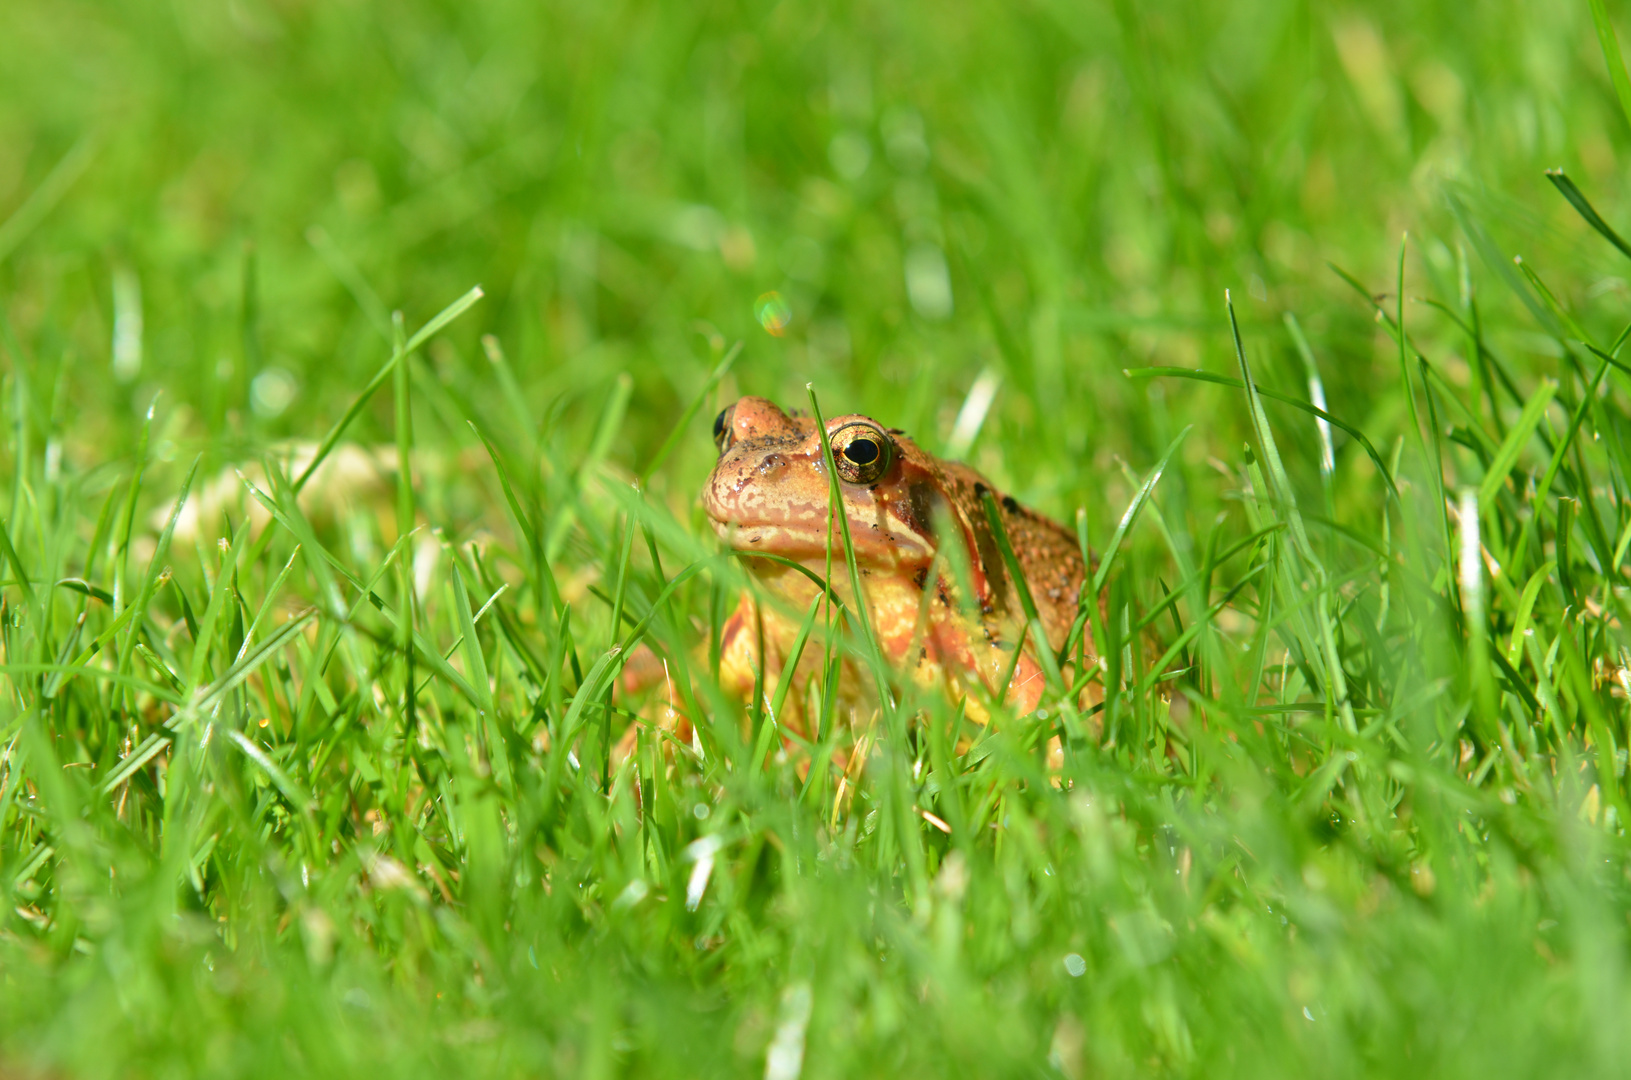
{"type": "Point", "coordinates": [874, 549]}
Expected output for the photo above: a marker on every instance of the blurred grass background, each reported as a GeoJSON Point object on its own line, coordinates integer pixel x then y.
{"type": "Point", "coordinates": [222, 203]}
{"type": "Point", "coordinates": [625, 181]}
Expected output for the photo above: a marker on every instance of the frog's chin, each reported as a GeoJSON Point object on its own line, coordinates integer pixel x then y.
{"type": "Point", "coordinates": [802, 544]}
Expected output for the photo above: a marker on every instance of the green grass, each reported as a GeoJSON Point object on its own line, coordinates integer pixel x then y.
{"type": "Point", "coordinates": [1375, 827]}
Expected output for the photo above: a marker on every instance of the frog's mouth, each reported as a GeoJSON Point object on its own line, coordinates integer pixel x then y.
{"type": "Point", "coordinates": [793, 541]}
{"type": "Point", "coordinates": [874, 547]}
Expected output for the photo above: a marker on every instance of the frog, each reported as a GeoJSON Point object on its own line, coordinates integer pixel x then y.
{"type": "Point", "coordinates": [952, 618]}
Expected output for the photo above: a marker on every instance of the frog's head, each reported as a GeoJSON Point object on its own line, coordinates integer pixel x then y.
{"type": "Point", "coordinates": [770, 491]}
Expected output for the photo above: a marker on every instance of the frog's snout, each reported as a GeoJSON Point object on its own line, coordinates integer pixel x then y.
{"type": "Point", "coordinates": [730, 492]}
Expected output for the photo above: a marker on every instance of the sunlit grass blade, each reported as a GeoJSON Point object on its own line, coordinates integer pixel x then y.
{"type": "Point", "coordinates": [611, 422]}
{"type": "Point", "coordinates": [1576, 197]}
{"type": "Point", "coordinates": [476, 666]}
{"type": "Point", "coordinates": [1274, 395]}
{"type": "Point", "coordinates": [326, 559]}
{"type": "Point", "coordinates": [117, 678]}
{"type": "Point", "coordinates": [1561, 314]}
{"type": "Point", "coordinates": [428, 331]}
{"type": "Point", "coordinates": [219, 598]}
{"type": "Point", "coordinates": [1507, 456]}
{"type": "Point", "coordinates": [150, 748]}
{"type": "Point", "coordinates": [522, 522]}
{"type": "Point", "coordinates": [836, 513]}
{"type": "Point", "coordinates": [1285, 497]}
{"type": "Point", "coordinates": [1526, 606]}
{"type": "Point", "coordinates": [1316, 395]}
{"type": "Point", "coordinates": [272, 594]}
{"type": "Point", "coordinates": [681, 425]}
{"type": "Point", "coordinates": [1609, 42]}
{"type": "Point", "coordinates": [291, 790]}
{"type": "Point", "coordinates": [18, 570]}
{"type": "Point", "coordinates": [1107, 557]}
{"type": "Point", "coordinates": [235, 675]}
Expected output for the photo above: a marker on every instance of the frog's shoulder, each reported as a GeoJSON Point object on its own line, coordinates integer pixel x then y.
{"type": "Point", "coordinates": [1047, 552]}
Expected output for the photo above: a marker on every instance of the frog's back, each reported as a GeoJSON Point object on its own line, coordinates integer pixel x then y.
{"type": "Point", "coordinates": [1048, 554]}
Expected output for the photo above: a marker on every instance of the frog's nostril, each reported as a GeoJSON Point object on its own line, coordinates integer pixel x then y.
{"type": "Point", "coordinates": [771, 464]}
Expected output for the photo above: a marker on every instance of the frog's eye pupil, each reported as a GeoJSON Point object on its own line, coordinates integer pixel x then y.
{"type": "Point", "coordinates": [863, 451]}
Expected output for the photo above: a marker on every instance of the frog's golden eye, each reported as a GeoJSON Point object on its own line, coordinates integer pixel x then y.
{"type": "Point", "coordinates": [722, 428]}
{"type": "Point", "coordinates": [861, 452]}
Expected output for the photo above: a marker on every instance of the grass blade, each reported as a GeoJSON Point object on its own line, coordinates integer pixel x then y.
{"type": "Point", "coordinates": [720, 370]}
{"type": "Point", "coordinates": [1582, 205]}
{"type": "Point", "coordinates": [1273, 395]}
{"type": "Point", "coordinates": [429, 330]}
{"type": "Point", "coordinates": [238, 672]}
{"type": "Point", "coordinates": [150, 748]}
{"type": "Point", "coordinates": [47, 195]}
{"type": "Point", "coordinates": [291, 790]}
{"type": "Point", "coordinates": [1107, 558]}
{"type": "Point", "coordinates": [1610, 44]}
{"type": "Point", "coordinates": [1507, 455]}
{"type": "Point", "coordinates": [1016, 574]}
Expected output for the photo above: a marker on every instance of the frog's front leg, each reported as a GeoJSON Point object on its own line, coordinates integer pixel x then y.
{"type": "Point", "coordinates": [753, 627]}
{"type": "Point", "coordinates": [739, 649]}
{"type": "Point", "coordinates": [738, 668]}
{"type": "Point", "coordinates": [644, 670]}
{"type": "Point", "coordinates": [971, 654]}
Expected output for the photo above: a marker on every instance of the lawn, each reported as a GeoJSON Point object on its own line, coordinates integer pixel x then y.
{"type": "Point", "coordinates": [358, 367]}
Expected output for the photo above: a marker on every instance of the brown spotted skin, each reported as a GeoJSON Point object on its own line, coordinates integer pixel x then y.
{"type": "Point", "coordinates": [770, 493]}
